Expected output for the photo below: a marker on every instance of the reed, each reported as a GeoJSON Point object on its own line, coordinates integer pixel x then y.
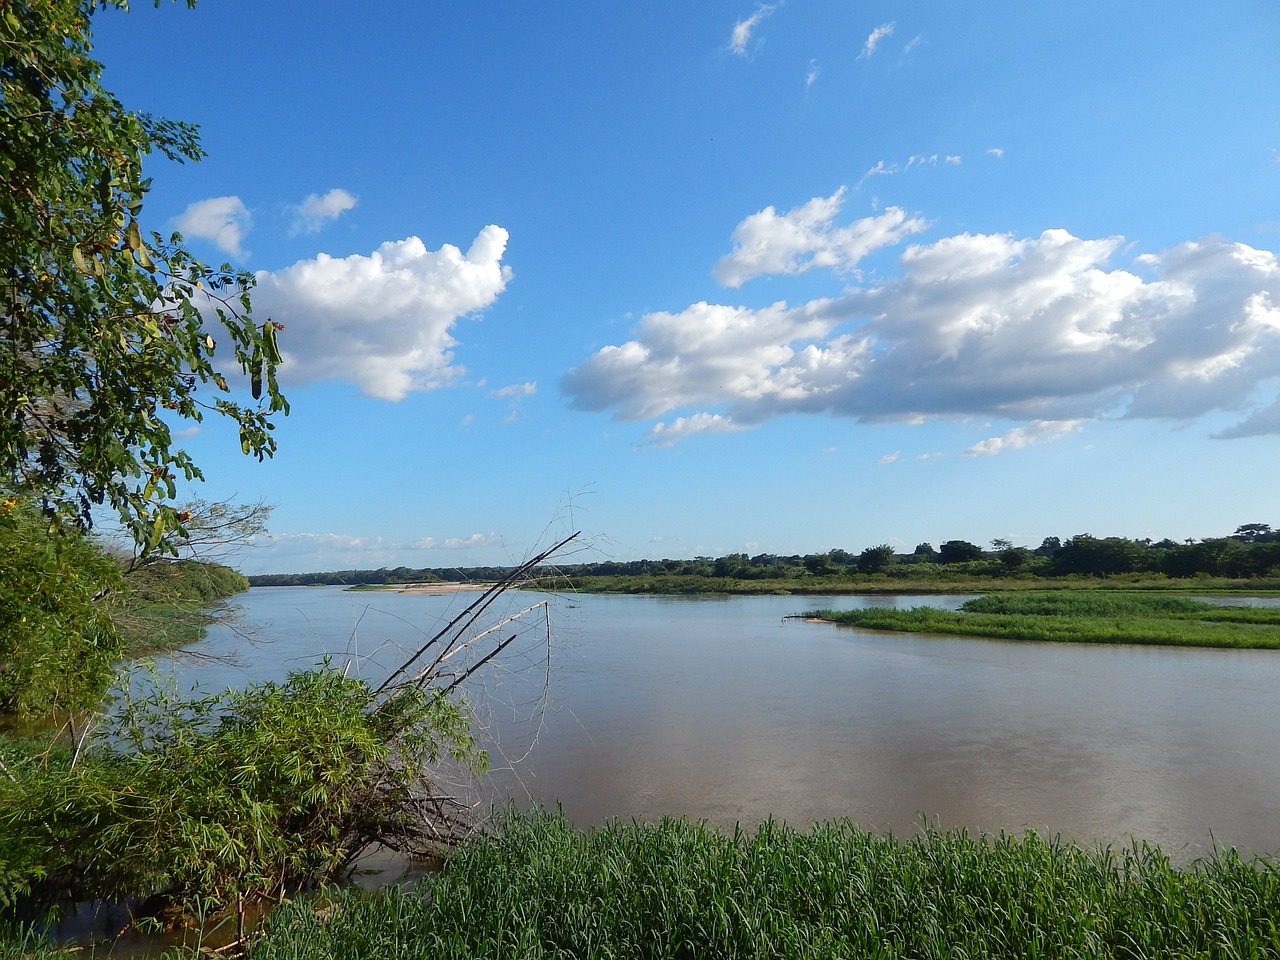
{"type": "Point", "coordinates": [539, 889]}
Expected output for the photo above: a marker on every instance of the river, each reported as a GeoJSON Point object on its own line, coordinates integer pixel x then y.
{"type": "Point", "coordinates": [719, 709]}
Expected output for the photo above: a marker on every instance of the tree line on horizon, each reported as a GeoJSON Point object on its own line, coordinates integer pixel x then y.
{"type": "Point", "coordinates": [1252, 551]}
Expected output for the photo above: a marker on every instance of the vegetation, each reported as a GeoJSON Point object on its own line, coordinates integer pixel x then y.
{"type": "Point", "coordinates": [538, 888]}
{"type": "Point", "coordinates": [1247, 559]}
{"type": "Point", "coordinates": [1086, 616]}
{"type": "Point", "coordinates": [70, 611]}
{"type": "Point", "coordinates": [58, 640]}
{"type": "Point", "coordinates": [105, 333]}
{"type": "Point", "coordinates": [250, 794]}
{"type": "Point", "coordinates": [257, 792]}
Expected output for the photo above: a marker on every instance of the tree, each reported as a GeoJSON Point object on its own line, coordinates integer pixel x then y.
{"type": "Point", "coordinates": [58, 641]}
{"type": "Point", "coordinates": [876, 559]}
{"type": "Point", "coordinates": [1091, 556]}
{"type": "Point", "coordinates": [1049, 546]}
{"type": "Point", "coordinates": [106, 334]}
{"type": "Point", "coordinates": [959, 551]}
{"type": "Point", "coordinates": [1253, 532]}
{"type": "Point", "coordinates": [924, 553]}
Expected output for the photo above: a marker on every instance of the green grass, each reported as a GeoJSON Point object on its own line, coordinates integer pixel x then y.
{"type": "Point", "coordinates": [902, 581]}
{"type": "Point", "coordinates": [672, 889]}
{"type": "Point", "coordinates": [1091, 616]}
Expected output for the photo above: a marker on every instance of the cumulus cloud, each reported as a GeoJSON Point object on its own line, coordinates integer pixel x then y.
{"type": "Point", "coordinates": [1046, 331]}
{"type": "Point", "coordinates": [668, 434]}
{"type": "Point", "coordinates": [383, 321]}
{"type": "Point", "coordinates": [873, 41]}
{"type": "Point", "coordinates": [740, 38]}
{"type": "Point", "coordinates": [318, 210]}
{"type": "Point", "coordinates": [274, 552]}
{"type": "Point", "coordinates": [458, 543]}
{"type": "Point", "coordinates": [806, 237]}
{"type": "Point", "coordinates": [1019, 437]}
{"type": "Point", "coordinates": [517, 390]}
{"type": "Point", "coordinates": [223, 220]}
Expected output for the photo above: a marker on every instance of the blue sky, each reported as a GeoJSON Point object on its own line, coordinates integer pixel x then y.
{"type": "Point", "coordinates": [702, 278]}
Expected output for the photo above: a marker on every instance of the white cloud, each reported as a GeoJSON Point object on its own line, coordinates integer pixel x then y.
{"type": "Point", "coordinates": [458, 543]}
{"type": "Point", "coordinates": [1020, 437]}
{"type": "Point", "coordinates": [317, 210]}
{"type": "Point", "coordinates": [384, 321]}
{"type": "Point", "coordinates": [1035, 330]}
{"type": "Point", "coordinates": [995, 152]}
{"type": "Point", "coordinates": [806, 237]}
{"type": "Point", "coordinates": [517, 390]}
{"type": "Point", "coordinates": [873, 41]}
{"type": "Point", "coordinates": [223, 220]}
{"type": "Point", "coordinates": [889, 457]}
{"type": "Point", "coordinates": [885, 169]}
{"type": "Point", "coordinates": [811, 77]}
{"type": "Point", "coordinates": [742, 30]}
{"type": "Point", "coordinates": [317, 552]}
{"type": "Point", "coordinates": [667, 434]}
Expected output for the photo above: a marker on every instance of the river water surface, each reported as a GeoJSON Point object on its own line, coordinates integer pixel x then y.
{"type": "Point", "coordinates": [720, 709]}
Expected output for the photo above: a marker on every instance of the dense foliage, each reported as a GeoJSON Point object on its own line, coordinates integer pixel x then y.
{"type": "Point", "coordinates": [250, 793]}
{"type": "Point", "coordinates": [69, 612]}
{"type": "Point", "coordinates": [674, 889]}
{"type": "Point", "coordinates": [58, 640]}
{"type": "Point", "coordinates": [106, 334]}
{"type": "Point", "coordinates": [1253, 551]}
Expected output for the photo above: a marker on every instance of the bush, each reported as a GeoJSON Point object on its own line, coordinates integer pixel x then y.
{"type": "Point", "coordinates": [251, 793]}
{"type": "Point", "coordinates": [58, 642]}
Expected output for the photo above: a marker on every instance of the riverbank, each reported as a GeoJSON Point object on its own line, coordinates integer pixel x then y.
{"type": "Point", "coordinates": [1081, 617]}
{"type": "Point", "coordinates": [538, 888]}
{"type": "Point", "coordinates": [429, 588]}
{"type": "Point", "coordinates": [672, 888]}
{"type": "Point", "coordinates": [882, 585]}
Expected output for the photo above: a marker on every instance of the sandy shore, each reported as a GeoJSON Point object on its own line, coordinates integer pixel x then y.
{"type": "Point", "coordinates": [450, 587]}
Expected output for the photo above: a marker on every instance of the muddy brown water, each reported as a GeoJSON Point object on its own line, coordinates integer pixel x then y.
{"type": "Point", "coordinates": [719, 709]}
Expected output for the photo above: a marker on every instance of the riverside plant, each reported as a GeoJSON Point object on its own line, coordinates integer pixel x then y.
{"type": "Point", "coordinates": [1082, 616]}
{"type": "Point", "coordinates": [255, 793]}
{"type": "Point", "coordinates": [537, 888]}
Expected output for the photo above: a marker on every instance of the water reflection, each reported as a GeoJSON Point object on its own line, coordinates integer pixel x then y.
{"type": "Point", "coordinates": [718, 709]}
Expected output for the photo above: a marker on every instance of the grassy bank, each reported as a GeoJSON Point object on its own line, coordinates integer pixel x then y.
{"type": "Point", "coordinates": [1084, 617]}
{"type": "Point", "coordinates": [538, 888]}
{"type": "Point", "coordinates": [675, 889]}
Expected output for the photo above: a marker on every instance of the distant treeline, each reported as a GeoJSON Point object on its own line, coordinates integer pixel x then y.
{"type": "Point", "coordinates": [1253, 551]}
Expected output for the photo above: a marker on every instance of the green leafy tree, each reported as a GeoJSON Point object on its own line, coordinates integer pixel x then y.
{"type": "Point", "coordinates": [106, 333]}
{"type": "Point", "coordinates": [876, 559]}
{"type": "Point", "coordinates": [959, 551]}
{"type": "Point", "coordinates": [58, 640]}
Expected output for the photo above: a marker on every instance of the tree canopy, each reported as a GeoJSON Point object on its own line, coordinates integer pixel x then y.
{"type": "Point", "coordinates": [107, 334]}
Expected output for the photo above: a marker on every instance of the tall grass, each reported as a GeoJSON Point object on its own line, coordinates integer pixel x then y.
{"type": "Point", "coordinates": [1085, 616]}
{"type": "Point", "coordinates": [674, 889]}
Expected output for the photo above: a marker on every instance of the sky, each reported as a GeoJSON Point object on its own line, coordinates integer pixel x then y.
{"type": "Point", "coordinates": [705, 278]}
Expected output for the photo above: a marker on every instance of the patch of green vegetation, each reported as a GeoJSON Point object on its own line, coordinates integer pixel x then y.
{"type": "Point", "coordinates": [248, 794]}
{"type": "Point", "coordinates": [1084, 616]}
{"type": "Point", "coordinates": [540, 889]}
